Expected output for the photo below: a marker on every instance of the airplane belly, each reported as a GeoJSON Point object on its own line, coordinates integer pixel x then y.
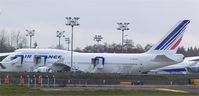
{"type": "Point", "coordinates": [119, 68]}
{"type": "Point", "coordinates": [130, 69]}
{"type": "Point", "coordinates": [154, 65]}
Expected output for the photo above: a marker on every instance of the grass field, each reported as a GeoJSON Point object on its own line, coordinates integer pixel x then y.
{"type": "Point", "coordinates": [18, 90]}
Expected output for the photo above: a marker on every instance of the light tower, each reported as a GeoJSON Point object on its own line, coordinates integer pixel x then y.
{"type": "Point", "coordinates": [123, 27]}
{"type": "Point", "coordinates": [30, 33]}
{"type": "Point", "coordinates": [59, 35]}
{"type": "Point", "coordinates": [67, 42]}
{"type": "Point", "coordinates": [72, 21]}
{"type": "Point", "coordinates": [97, 38]}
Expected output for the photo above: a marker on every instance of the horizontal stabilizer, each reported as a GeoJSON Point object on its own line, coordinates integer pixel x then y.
{"type": "Point", "coordinates": [163, 58]}
{"type": "Point", "coordinates": [192, 70]}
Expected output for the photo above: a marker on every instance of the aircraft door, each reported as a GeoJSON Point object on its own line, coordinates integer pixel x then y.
{"type": "Point", "coordinates": [98, 62]}
{"type": "Point", "coordinates": [40, 59]}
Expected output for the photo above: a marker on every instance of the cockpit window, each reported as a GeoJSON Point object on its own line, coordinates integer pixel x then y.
{"type": "Point", "coordinates": [12, 58]}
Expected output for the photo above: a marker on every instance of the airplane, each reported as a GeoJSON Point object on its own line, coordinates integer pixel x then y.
{"type": "Point", "coordinates": [161, 54]}
{"type": "Point", "coordinates": [190, 65]}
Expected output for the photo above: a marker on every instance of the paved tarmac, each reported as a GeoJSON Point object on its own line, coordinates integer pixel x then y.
{"type": "Point", "coordinates": [172, 88]}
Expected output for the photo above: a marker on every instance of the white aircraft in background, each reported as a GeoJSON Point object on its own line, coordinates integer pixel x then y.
{"type": "Point", "coordinates": [188, 66]}
{"type": "Point", "coordinates": [161, 54]}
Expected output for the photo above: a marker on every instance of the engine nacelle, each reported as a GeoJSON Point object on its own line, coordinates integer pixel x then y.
{"type": "Point", "coordinates": [43, 69]}
{"type": "Point", "coordinates": [192, 69]}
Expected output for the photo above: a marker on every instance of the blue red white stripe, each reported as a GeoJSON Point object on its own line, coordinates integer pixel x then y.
{"type": "Point", "coordinates": [174, 38]}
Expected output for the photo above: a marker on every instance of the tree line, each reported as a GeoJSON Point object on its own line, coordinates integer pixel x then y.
{"type": "Point", "coordinates": [133, 48]}
{"type": "Point", "coordinates": [190, 51]}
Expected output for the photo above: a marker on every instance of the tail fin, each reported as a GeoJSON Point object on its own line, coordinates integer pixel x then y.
{"type": "Point", "coordinates": [171, 40]}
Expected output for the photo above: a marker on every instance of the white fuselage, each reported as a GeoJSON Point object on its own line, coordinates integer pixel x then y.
{"type": "Point", "coordinates": [117, 63]}
{"type": "Point", "coordinates": [86, 62]}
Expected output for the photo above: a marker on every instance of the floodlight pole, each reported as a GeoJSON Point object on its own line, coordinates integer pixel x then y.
{"type": "Point", "coordinates": [72, 47]}
{"type": "Point", "coordinates": [59, 35]}
{"type": "Point", "coordinates": [68, 42]}
{"type": "Point", "coordinates": [72, 22]}
{"type": "Point", "coordinates": [122, 39]}
{"type": "Point", "coordinates": [97, 38]}
{"type": "Point", "coordinates": [123, 27]}
{"type": "Point", "coordinates": [30, 33]}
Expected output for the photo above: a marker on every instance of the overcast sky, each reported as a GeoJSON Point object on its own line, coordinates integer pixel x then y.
{"type": "Point", "coordinates": [149, 19]}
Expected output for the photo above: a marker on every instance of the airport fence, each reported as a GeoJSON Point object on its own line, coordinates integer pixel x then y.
{"type": "Point", "coordinates": [84, 79]}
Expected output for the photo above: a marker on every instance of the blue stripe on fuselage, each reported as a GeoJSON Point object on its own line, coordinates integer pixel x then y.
{"type": "Point", "coordinates": [174, 70]}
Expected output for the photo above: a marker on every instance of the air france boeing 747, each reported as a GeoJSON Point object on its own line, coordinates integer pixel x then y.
{"type": "Point", "coordinates": [161, 54]}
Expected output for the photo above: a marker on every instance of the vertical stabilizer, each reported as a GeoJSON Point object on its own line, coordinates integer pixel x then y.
{"type": "Point", "coordinates": [169, 43]}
